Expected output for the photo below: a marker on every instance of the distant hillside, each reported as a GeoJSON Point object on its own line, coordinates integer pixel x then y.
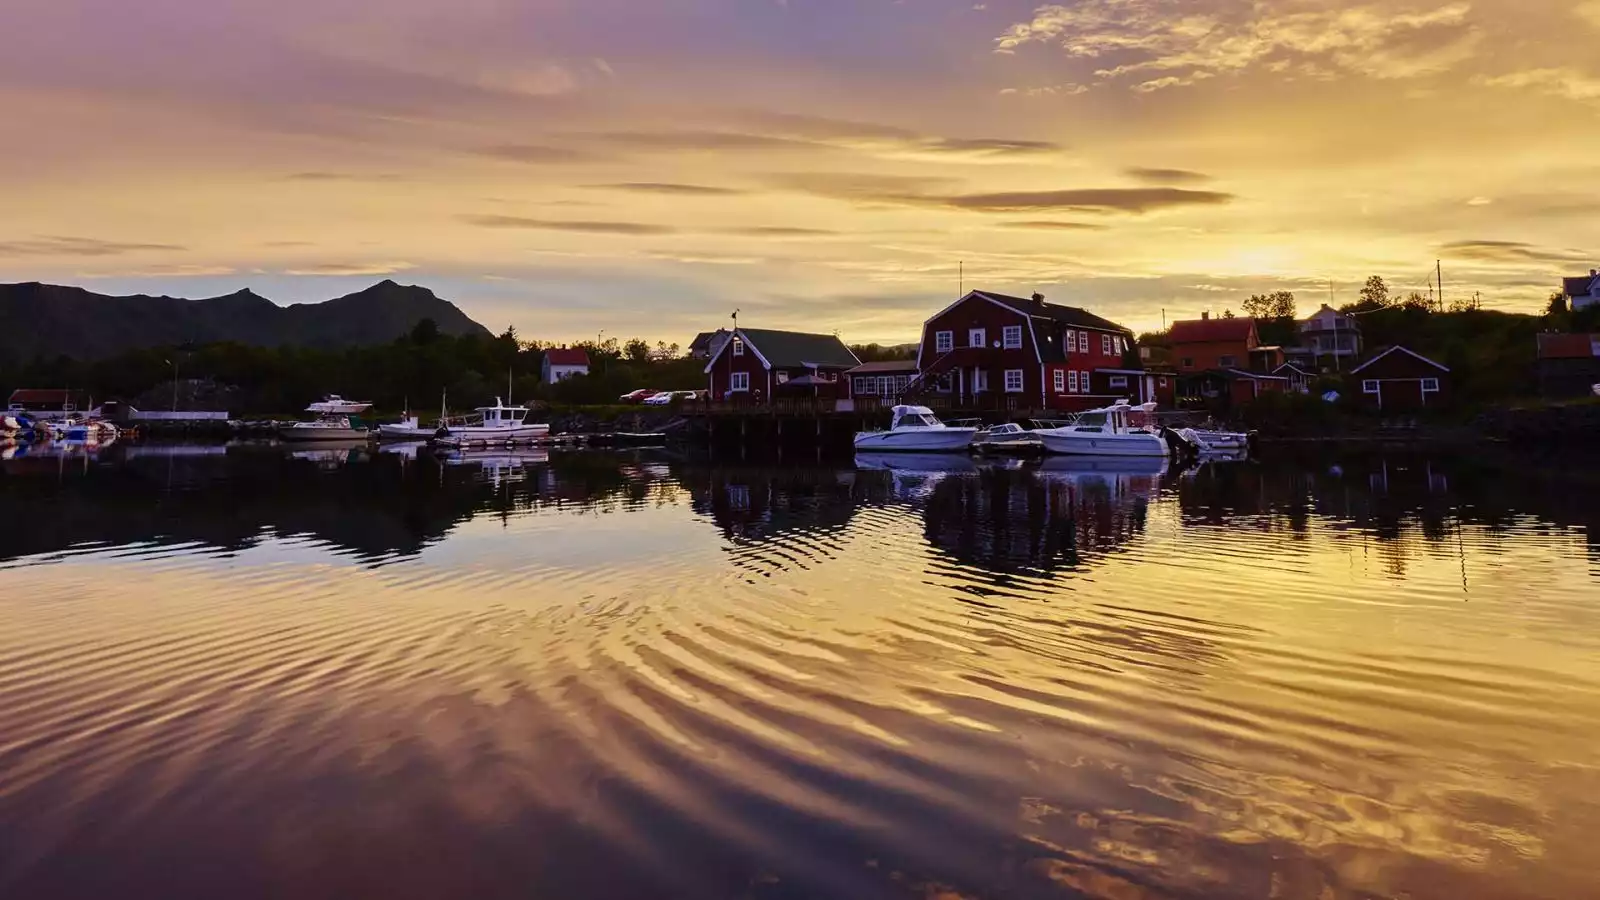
{"type": "Point", "coordinates": [49, 320]}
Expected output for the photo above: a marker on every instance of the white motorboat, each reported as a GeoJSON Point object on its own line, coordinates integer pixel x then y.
{"type": "Point", "coordinates": [916, 462]}
{"type": "Point", "coordinates": [1108, 431]}
{"type": "Point", "coordinates": [915, 429]}
{"type": "Point", "coordinates": [492, 425]}
{"type": "Point", "coordinates": [335, 405]}
{"type": "Point", "coordinates": [409, 428]}
{"type": "Point", "coordinates": [1215, 441]}
{"type": "Point", "coordinates": [1007, 438]}
{"type": "Point", "coordinates": [326, 428]}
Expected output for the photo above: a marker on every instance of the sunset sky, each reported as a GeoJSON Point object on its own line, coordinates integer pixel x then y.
{"type": "Point", "coordinates": [647, 166]}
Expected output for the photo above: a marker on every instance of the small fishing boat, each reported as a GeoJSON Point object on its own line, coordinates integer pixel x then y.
{"type": "Point", "coordinates": [1009, 438]}
{"type": "Point", "coordinates": [1206, 441]}
{"type": "Point", "coordinates": [492, 424]}
{"type": "Point", "coordinates": [1108, 431]}
{"type": "Point", "coordinates": [335, 405]}
{"type": "Point", "coordinates": [915, 429]}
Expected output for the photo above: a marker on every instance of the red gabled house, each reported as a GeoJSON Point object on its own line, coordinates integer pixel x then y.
{"type": "Point", "coordinates": [1207, 343]}
{"type": "Point", "coordinates": [990, 350]}
{"type": "Point", "coordinates": [756, 364]}
{"type": "Point", "coordinates": [1395, 379]}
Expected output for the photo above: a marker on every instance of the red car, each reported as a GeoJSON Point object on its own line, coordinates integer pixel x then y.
{"type": "Point", "coordinates": [639, 395]}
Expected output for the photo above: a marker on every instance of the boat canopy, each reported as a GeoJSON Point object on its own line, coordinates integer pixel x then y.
{"type": "Point", "coordinates": [912, 410]}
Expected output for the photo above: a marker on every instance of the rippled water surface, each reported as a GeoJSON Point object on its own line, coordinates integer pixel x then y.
{"type": "Point", "coordinates": [239, 673]}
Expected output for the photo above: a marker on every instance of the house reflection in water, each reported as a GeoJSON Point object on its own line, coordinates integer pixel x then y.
{"type": "Point", "coordinates": [775, 519]}
{"type": "Point", "coordinates": [1038, 519]}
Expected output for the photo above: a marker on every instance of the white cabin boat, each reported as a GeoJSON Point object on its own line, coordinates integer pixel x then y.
{"type": "Point", "coordinates": [326, 428]}
{"type": "Point", "coordinates": [1108, 431]}
{"type": "Point", "coordinates": [1008, 438]}
{"type": "Point", "coordinates": [915, 429]}
{"type": "Point", "coordinates": [335, 405]}
{"type": "Point", "coordinates": [492, 424]}
{"type": "Point", "coordinates": [1215, 441]}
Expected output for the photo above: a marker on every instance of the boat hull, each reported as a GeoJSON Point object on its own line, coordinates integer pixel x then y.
{"type": "Point", "coordinates": [393, 432]}
{"type": "Point", "coordinates": [475, 435]}
{"type": "Point", "coordinates": [921, 440]}
{"type": "Point", "coordinates": [1215, 441]}
{"type": "Point", "coordinates": [1080, 443]}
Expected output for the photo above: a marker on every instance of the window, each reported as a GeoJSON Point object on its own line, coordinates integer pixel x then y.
{"type": "Point", "coordinates": [1011, 337]}
{"type": "Point", "coordinates": [1188, 362]}
{"type": "Point", "coordinates": [1227, 362]}
{"type": "Point", "coordinates": [1072, 381]}
{"type": "Point", "coordinates": [1060, 376]}
{"type": "Point", "coordinates": [944, 341]}
{"type": "Point", "coordinates": [1105, 344]}
{"type": "Point", "coordinates": [1083, 342]}
{"type": "Point", "coordinates": [977, 337]}
{"type": "Point", "coordinates": [1119, 381]}
{"type": "Point", "coordinates": [1430, 385]}
{"type": "Point", "coordinates": [1163, 382]}
{"type": "Point", "coordinates": [1071, 342]}
{"type": "Point", "coordinates": [783, 377]}
{"type": "Point", "coordinates": [945, 383]}
{"type": "Point", "coordinates": [738, 347]}
{"type": "Point", "coordinates": [1083, 381]}
{"type": "Point", "coordinates": [1369, 386]}
{"type": "Point", "coordinates": [980, 380]}
{"type": "Point", "coordinates": [901, 382]}
{"type": "Point", "coordinates": [861, 386]}
{"type": "Point", "coordinates": [1013, 381]}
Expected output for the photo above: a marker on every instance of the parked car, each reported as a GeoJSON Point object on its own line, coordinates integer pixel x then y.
{"type": "Point", "coordinates": [667, 398]}
{"type": "Point", "coordinates": [639, 396]}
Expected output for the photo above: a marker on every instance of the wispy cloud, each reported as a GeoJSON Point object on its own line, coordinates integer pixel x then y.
{"type": "Point", "coordinates": [905, 191]}
{"type": "Point", "coordinates": [1513, 252]}
{"type": "Point", "coordinates": [1166, 176]}
{"type": "Point", "coordinates": [351, 268]}
{"type": "Point", "coordinates": [341, 176]}
{"type": "Point", "coordinates": [1566, 82]}
{"type": "Point", "coordinates": [53, 245]}
{"type": "Point", "coordinates": [658, 187]}
{"type": "Point", "coordinates": [536, 153]}
{"type": "Point", "coordinates": [779, 231]}
{"type": "Point", "coordinates": [1046, 225]}
{"type": "Point", "coordinates": [498, 221]}
{"type": "Point", "coordinates": [1181, 42]}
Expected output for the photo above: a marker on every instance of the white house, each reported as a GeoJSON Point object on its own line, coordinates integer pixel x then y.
{"type": "Point", "coordinates": [1583, 290]}
{"type": "Point", "coordinates": [561, 363]}
{"type": "Point", "coordinates": [1328, 332]}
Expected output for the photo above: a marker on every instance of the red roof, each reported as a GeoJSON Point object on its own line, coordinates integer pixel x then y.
{"type": "Point", "coordinates": [1205, 331]}
{"type": "Point", "coordinates": [1569, 346]}
{"type": "Point", "coordinates": [567, 356]}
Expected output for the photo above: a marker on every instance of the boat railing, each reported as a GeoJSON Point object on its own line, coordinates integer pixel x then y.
{"type": "Point", "coordinates": [973, 422]}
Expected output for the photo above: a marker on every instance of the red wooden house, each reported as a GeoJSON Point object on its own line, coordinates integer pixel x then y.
{"type": "Point", "coordinates": [756, 364]}
{"type": "Point", "coordinates": [993, 351]}
{"type": "Point", "coordinates": [1207, 343]}
{"type": "Point", "coordinates": [1395, 379]}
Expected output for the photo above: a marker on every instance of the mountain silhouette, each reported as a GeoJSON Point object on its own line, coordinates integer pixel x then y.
{"type": "Point", "coordinates": [50, 320]}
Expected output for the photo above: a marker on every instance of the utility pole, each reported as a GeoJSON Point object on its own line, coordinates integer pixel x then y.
{"type": "Point", "coordinates": [961, 279]}
{"type": "Point", "coordinates": [1438, 269]}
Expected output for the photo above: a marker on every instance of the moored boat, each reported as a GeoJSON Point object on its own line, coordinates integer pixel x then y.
{"type": "Point", "coordinates": [1215, 441]}
{"type": "Point", "coordinates": [915, 429]}
{"type": "Point", "coordinates": [326, 428]}
{"type": "Point", "coordinates": [1009, 438]}
{"type": "Point", "coordinates": [1108, 431]}
{"type": "Point", "coordinates": [335, 405]}
{"type": "Point", "coordinates": [492, 424]}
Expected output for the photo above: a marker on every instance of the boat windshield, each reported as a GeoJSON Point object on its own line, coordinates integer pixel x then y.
{"type": "Point", "coordinates": [916, 420]}
{"type": "Point", "coordinates": [1091, 418]}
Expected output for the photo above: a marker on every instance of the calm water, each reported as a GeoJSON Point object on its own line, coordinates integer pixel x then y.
{"type": "Point", "coordinates": [242, 674]}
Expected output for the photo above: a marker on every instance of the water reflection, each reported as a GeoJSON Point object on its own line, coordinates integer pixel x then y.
{"type": "Point", "coordinates": [242, 672]}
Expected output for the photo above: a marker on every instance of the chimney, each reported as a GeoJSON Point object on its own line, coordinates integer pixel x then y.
{"type": "Point", "coordinates": [1205, 314]}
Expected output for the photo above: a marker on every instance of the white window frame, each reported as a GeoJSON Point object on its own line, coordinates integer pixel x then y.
{"type": "Point", "coordinates": [980, 381]}
{"type": "Point", "coordinates": [1106, 345]}
{"type": "Point", "coordinates": [977, 337]}
{"type": "Point", "coordinates": [1072, 381]}
{"type": "Point", "coordinates": [1059, 376]}
{"type": "Point", "coordinates": [860, 385]}
{"type": "Point", "coordinates": [1011, 337]}
{"type": "Point", "coordinates": [1119, 381]}
{"type": "Point", "coordinates": [781, 376]}
{"type": "Point", "coordinates": [1430, 381]}
{"type": "Point", "coordinates": [944, 341]}
{"type": "Point", "coordinates": [1369, 386]}
{"type": "Point", "coordinates": [739, 381]}
{"type": "Point", "coordinates": [738, 347]}
{"type": "Point", "coordinates": [1083, 342]}
{"type": "Point", "coordinates": [1071, 340]}
{"type": "Point", "coordinates": [1014, 381]}
{"type": "Point", "coordinates": [901, 383]}
{"type": "Point", "coordinates": [1083, 382]}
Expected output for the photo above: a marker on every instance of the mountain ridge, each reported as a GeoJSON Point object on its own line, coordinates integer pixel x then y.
{"type": "Point", "coordinates": [38, 319]}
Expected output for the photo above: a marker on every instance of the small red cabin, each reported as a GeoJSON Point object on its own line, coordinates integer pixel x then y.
{"type": "Point", "coordinates": [1396, 379]}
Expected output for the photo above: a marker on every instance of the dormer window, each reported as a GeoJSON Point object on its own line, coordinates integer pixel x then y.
{"type": "Point", "coordinates": [738, 347]}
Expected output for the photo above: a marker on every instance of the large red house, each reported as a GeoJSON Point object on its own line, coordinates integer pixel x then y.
{"type": "Point", "coordinates": [754, 364]}
{"type": "Point", "coordinates": [989, 350]}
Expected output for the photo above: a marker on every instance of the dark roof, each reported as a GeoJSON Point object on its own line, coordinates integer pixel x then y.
{"type": "Point", "coordinates": [1242, 375]}
{"type": "Point", "coordinates": [1568, 346]}
{"type": "Point", "coordinates": [707, 342]}
{"type": "Point", "coordinates": [1205, 331]}
{"type": "Point", "coordinates": [1055, 312]}
{"type": "Point", "coordinates": [1381, 352]}
{"type": "Point", "coordinates": [788, 349]}
{"type": "Point", "coordinates": [44, 395]}
{"type": "Point", "coordinates": [566, 356]}
{"type": "Point", "coordinates": [889, 365]}
{"type": "Point", "coordinates": [1581, 286]}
